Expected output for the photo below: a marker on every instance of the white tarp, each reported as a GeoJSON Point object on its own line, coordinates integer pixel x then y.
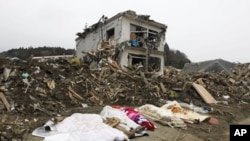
{"type": "Point", "coordinates": [83, 127]}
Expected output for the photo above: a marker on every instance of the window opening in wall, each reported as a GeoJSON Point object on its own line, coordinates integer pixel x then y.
{"type": "Point", "coordinates": [152, 39]}
{"type": "Point", "coordinates": [154, 64]}
{"type": "Point", "coordinates": [137, 35]}
{"type": "Point", "coordinates": [110, 34]}
{"type": "Point", "coordinates": [136, 61]}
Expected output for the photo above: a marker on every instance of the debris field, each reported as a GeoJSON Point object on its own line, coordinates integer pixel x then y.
{"type": "Point", "coordinates": [33, 91]}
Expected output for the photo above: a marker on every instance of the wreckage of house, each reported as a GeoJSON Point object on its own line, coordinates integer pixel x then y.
{"type": "Point", "coordinates": [136, 40]}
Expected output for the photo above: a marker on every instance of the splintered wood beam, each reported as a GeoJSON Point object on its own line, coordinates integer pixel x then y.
{"type": "Point", "coordinates": [75, 94]}
{"type": "Point", "coordinates": [164, 90]}
{"type": "Point", "coordinates": [5, 101]}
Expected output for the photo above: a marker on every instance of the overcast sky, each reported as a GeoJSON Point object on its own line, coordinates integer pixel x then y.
{"type": "Point", "coordinates": [203, 30]}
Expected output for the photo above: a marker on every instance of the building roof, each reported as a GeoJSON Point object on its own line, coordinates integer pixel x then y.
{"type": "Point", "coordinates": [133, 15]}
{"type": "Point", "coordinates": [129, 14]}
{"type": "Point", "coordinates": [215, 66]}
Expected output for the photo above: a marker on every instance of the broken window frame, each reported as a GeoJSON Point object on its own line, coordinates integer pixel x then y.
{"type": "Point", "coordinates": [153, 67]}
{"type": "Point", "coordinates": [143, 36]}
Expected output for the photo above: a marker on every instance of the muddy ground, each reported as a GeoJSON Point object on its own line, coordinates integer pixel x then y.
{"type": "Point", "coordinates": [60, 88]}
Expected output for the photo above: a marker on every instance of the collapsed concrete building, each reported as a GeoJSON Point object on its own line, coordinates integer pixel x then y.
{"type": "Point", "coordinates": [134, 40]}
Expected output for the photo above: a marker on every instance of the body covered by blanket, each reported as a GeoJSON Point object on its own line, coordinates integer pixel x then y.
{"type": "Point", "coordinates": [160, 115]}
{"type": "Point", "coordinates": [125, 122]}
{"type": "Point", "coordinates": [185, 114]}
{"type": "Point", "coordinates": [171, 113]}
{"type": "Point", "coordinates": [136, 116]}
{"type": "Point", "coordinates": [85, 127]}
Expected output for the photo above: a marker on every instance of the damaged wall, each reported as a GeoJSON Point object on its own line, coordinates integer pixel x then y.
{"type": "Point", "coordinates": [92, 39]}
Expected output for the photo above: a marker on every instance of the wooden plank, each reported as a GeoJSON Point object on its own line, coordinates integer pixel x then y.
{"type": "Point", "coordinates": [164, 90]}
{"type": "Point", "coordinates": [206, 96]}
{"type": "Point", "coordinates": [100, 75]}
{"type": "Point", "coordinates": [5, 102]}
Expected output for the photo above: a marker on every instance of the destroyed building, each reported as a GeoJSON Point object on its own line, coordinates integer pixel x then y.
{"type": "Point", "coordinates": [131, 40]}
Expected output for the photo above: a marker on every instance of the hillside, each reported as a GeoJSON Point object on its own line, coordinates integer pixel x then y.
{"type": "Point", "coordinates": [25, 53]}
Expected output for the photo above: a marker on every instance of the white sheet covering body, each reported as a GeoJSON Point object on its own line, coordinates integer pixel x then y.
{"type": "Point", "coordinates": [85, 127]}
{"type": "Point", "coordinates": [170, 113]}
{"type": "Point", "coordinates": [125, 121]}
{"type": "Point", "coordinates": [183, 113]}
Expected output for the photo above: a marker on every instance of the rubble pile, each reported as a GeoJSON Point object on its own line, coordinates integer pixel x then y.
{"type": "Point", "coordinates": [49, 87]}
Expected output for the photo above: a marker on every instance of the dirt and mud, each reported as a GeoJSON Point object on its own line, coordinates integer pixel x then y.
{"type": "Point", "coordinates": [56, 87]}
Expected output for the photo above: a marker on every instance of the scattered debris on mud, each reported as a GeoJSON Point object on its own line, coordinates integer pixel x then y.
{"type": "Point", "coordinates": [33, 91]}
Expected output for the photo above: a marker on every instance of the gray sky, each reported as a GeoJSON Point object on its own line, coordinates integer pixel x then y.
{"type": "Point", "coordinates": [203, 30]}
